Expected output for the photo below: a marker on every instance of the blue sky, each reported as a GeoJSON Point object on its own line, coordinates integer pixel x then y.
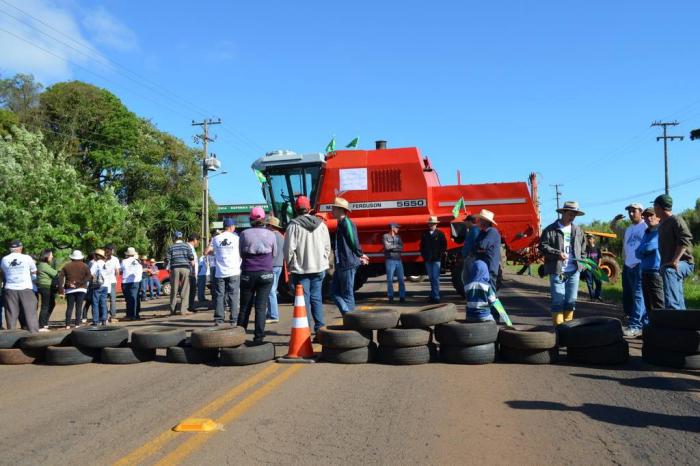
{"type": "Point", "coordinates": [496, 90]}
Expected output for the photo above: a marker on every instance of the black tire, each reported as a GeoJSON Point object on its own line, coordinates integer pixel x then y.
{"type": "Point", "coordinates": [404, 337]}
{"type": "Point", "coordinates": [126, 355]}
{"type": "Point", "coordinates": [339, 337]}
{"type": "Point", "coordinates": [44, 340]}
{"type": "Point", "coordinates": [13, 356]}
{"type": "Point", "coordinates": [478, 354]}
{"type": "Point", "coordinates": [456, 277]}
{"type": "Point", "coordinates": [429, 315]}
{"type": "Point", "coordinates": [665, 358]}
{"type": "Point", "coordinates": [529, 356]}
{"type": "Point", "coordinates": [375, 319]}
{"type": "Point", "coordinates": [152, 338]}
{"type": "Point", "coordinates": [70, 355]}
{"type": "Point", "coordinates": [100, 337]}
{"type": "Point", "coordinates": [189, 355]}
{"type": "Point", "coordinates": [246, 354]}
{"type": "Point", "coordinates": [611, 268]}
{"type": "Point", "coordinates": [590, 332]}
{"type": "Point", "coordinates": [10, 338]}
{"type": "Point", "coordinates": [218, 337]}
{"type": "Point", "coordinates": [616, 353]}
{"type": "Point", "coordinates": [528, 338]}
{"type": "Point", "coordinates": [671, 339]}
{"type": "Point", "coordinates": [349, 356]}
{"type": "Point", "coordinates": [463, 333]}
{"type": "Point", "coordinates": [688, 319]}
{"type": "Point", "coordinates": [406, 356]}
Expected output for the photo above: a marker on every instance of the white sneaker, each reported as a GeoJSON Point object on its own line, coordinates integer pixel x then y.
{"type": "Point", "coordinates": [632, 332]}
{"type": "Point", "coordinates": [44, 329]}
{"type": "Point", "coordinates": [271, 321]}
{"type": "Point", "coordinates": [84, 321]}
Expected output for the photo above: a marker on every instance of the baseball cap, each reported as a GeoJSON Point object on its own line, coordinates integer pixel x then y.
{"type": "Point", "coordinates": [635, 205]}
{"type": "Point", "coordinates": [257, 213]}
{"type": "Point", "coordinates": [394, 225]}
{"type": "Point", "coordinates": [664, 201]}
{"type": "Point", "coordinates": [229, 222]}
{"type": "Point", "coordinates": [177, 234]}
{"type": "Point", "coordinates": [648, 212]}
{"type": "Point", "coordinates": [302, 202]}
{"type": "Point", "coordinates": [15, 244]}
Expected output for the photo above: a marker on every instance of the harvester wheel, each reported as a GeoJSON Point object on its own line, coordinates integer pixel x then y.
{"type": "Point", "coordinates": [456, 277]}
{"type": "Point", "coordinates": [611, 268]}
{"type": "Point", "coordinates": [416, 278]}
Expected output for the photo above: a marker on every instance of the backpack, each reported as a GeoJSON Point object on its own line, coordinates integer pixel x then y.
{"type": "Point", "coordinates": [99, 279]}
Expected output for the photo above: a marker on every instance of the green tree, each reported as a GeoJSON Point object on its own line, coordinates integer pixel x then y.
{"type": "Point", "coordinates": [20, 94]}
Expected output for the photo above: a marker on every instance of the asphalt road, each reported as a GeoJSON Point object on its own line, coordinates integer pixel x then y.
{"type": "Point", "coordinates": [367, 414]}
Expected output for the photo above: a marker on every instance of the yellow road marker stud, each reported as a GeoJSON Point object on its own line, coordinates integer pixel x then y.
{"type": "Point", "coordinates": [194, 424]}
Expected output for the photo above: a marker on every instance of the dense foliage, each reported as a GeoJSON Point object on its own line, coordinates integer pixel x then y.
{"type": "Point", "coordinates": [80, 170]}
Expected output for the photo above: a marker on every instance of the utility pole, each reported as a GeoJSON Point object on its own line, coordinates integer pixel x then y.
{"type": "Point", "coordinates": [207, 164]}
{"type": "Point", "coordinates": [558, 193]}
{"type": "Point", "coordinates": [665, 137]}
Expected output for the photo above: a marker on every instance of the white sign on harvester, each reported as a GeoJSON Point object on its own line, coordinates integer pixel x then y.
{"type": "Point", "coordinates": [353, 179]}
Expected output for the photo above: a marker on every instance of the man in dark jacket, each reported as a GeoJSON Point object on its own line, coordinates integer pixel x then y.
{"type": "Point", "coordinates": [562, 243]}
{"type": "Point", "coordinates": [393, 246]}
{"type": "Point", "coordinates": [487, 246]}
{"type": "Point", "coordinates": [348, 258]}
{"type": "Point", "coordinates": [433, 245]}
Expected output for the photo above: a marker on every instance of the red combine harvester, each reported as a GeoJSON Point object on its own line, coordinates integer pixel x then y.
{"type": "Point", "coordinates": [398, 185]}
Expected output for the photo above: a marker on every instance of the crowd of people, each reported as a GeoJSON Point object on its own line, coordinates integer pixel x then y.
{"type": "Point", "coordinates": [243, 270]}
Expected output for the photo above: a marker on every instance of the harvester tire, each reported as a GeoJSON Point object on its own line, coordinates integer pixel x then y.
{"type": "Point", "coordinates": [611, 268]}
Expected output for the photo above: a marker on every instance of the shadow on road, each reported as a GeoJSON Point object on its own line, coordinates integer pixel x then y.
{"type": "Point", "coordinates": [617, 415]}
{"type": "Point", "coordinates": [654, 383]}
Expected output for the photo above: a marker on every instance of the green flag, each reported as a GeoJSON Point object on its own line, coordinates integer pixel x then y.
{"type": "Point", "coordinates": [331, 146]}
{"type": "Point", "coordinates": [498, 305]}
{"type": "Point", "coordinates": [261, 177]}
{"type": "Point", "coordinates": [459, 205]}
{"type": "Point", "coordinates": [353, 144]}
{"type": "Point", "coordinates": [591, 265]}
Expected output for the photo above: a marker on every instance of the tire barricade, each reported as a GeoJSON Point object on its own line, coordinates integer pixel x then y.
{"type": "Point", "coordinates": [672, 339]}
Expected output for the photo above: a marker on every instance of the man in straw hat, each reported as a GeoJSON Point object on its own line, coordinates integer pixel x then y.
{"type": "Point", "coordinates": [487, 246]}
{"type": "Point", "coordinates": [348, 257]}
{"type": "Point", "coordinates": [632, 295]}
{"type": "Point", "coordinates": [433, 245]}
{"type": "Point", "coordinates": [132, 275]}
{"type": "Point", "coordinates": [99, 289]}
{"type": "Point", "coordinates": [562, 243]}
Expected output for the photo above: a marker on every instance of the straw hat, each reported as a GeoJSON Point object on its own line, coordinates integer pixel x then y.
{"type": "Point", "coordinates": [432, 219]}
{"type": "Point", "coordinates": [274, 222]}
{"type": "Point", "coordinates": [76, 255]}
{"type": "Point", "coordinates": [342, 203]}
{"type": "Point", "coordinates": [100, 253]}
{"type": "Point", "coordinates": [130, 252]}
{"type": "Point", "coordinates": [571, 206]}
{"type": "Point", "coordinates": [486, 215]}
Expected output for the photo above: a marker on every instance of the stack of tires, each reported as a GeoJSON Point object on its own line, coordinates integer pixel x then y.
{"type": "Point", "coordinates": [88, 345]}
{"type": "Point", "coordinates": [673, 339]}
{"type": "Point", "coordinates": [146, 341]}
{"type": "Point", "coordinates": [463, 342]}
{"type": "Point", "coordinates": [528, 345]}
{"type": "Point", "coordinates": [594, 341]}
{"type": "Point", "coordinates": [342, 345]}
{"type": "Point", "coordinates": [227, 344]}
{"type": "Point", "coordinates": [13, 352]}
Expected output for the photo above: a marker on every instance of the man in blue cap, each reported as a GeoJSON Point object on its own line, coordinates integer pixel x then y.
{"type": "Point", "coordinates": [227, 278]}
{"type": "Point", "coordinates": [393, 246]}
{"type": "Point", "coordinates": [180, 262]}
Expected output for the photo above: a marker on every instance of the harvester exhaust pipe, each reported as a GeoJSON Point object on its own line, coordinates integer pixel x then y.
{"type": "Point", "coordinates": [380, 145]}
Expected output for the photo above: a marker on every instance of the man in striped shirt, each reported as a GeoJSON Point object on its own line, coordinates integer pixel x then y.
{"type": "Point", "coordinates": [180, 261]}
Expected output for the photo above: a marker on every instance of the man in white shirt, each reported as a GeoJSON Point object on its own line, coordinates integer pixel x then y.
{"type": "Point", "coordinates": [19, 272]}
{"type": "Point", "coordinates": [632, 297]}
{"type": "Point", "coordinates": [132, 272]}
{"type": "Point", "coordinates": [228, 271]}
{"type": "Point", "coordinates": [111, 275]}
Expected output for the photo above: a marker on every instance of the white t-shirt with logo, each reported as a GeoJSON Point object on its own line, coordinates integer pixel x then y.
{"type": "Point", "coordinates": [633, 238]}
{"type": "Point", "coordinates": [18, 270]}
{"type": "Point", "coordinates": [570, 264]}
{"type": "Point", "coordinates": [132, 270]}
{"type": "Point", "coordinates": [110, 271]}
{"type": "Point", "coordinates": [98, 268]}
{"type": "Point", "coordinates": [226, 254]}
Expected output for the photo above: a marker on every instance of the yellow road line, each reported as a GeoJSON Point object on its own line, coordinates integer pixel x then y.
{"type": "Point", "coordinates": [158, 442]}
{"type": "Point", "coordinates": [197, 440]}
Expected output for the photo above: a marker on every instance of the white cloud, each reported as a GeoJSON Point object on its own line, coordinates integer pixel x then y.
{"type": "Point", "coordinates": [106, 30]}
{"type": "Point", "coordinates": [41, 38]}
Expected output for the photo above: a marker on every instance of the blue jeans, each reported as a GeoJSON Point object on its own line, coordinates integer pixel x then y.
{"type": "Point", "coordinates": [201, 288]}
{"type": "Point", "coordinates": [131, 296]}
{"type": "Point", "coordinates": [273, 311]}
{"type": "Point", "coordinates": [113, 300]}
{"type": "Point", "coordinates": [633, 298]}
{"type": "Point", "coordinates": [99, 305]}
{"type": "Point", "coordinates": [564, 291]}
{"type": "Point", "coordinates": [394, 266]}
{"type": "Point", "coordinates": [313, 296]}
{"type": "Point", "coordinates": [343, 289]}
{"type": "Point", "coordinates": [673, 285]}
{"type": "Point", "coordinates": [433, 271]}
{"type": "Point", "coordinates": [154, 285]}
{"type": "Point", "coordinates": [228, 293]}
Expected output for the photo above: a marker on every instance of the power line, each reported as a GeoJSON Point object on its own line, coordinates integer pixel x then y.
{"type": "Point", "coordinates": [646, 193]}
{"type": "Point", "coordinates": [666, 138]}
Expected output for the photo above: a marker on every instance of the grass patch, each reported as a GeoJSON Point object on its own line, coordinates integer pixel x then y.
{"type": "Point", "coordinates": [691, 290]}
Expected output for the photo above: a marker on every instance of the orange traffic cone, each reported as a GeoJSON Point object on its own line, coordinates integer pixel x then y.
{"type": "Point", "coordinates": [300, 349]}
